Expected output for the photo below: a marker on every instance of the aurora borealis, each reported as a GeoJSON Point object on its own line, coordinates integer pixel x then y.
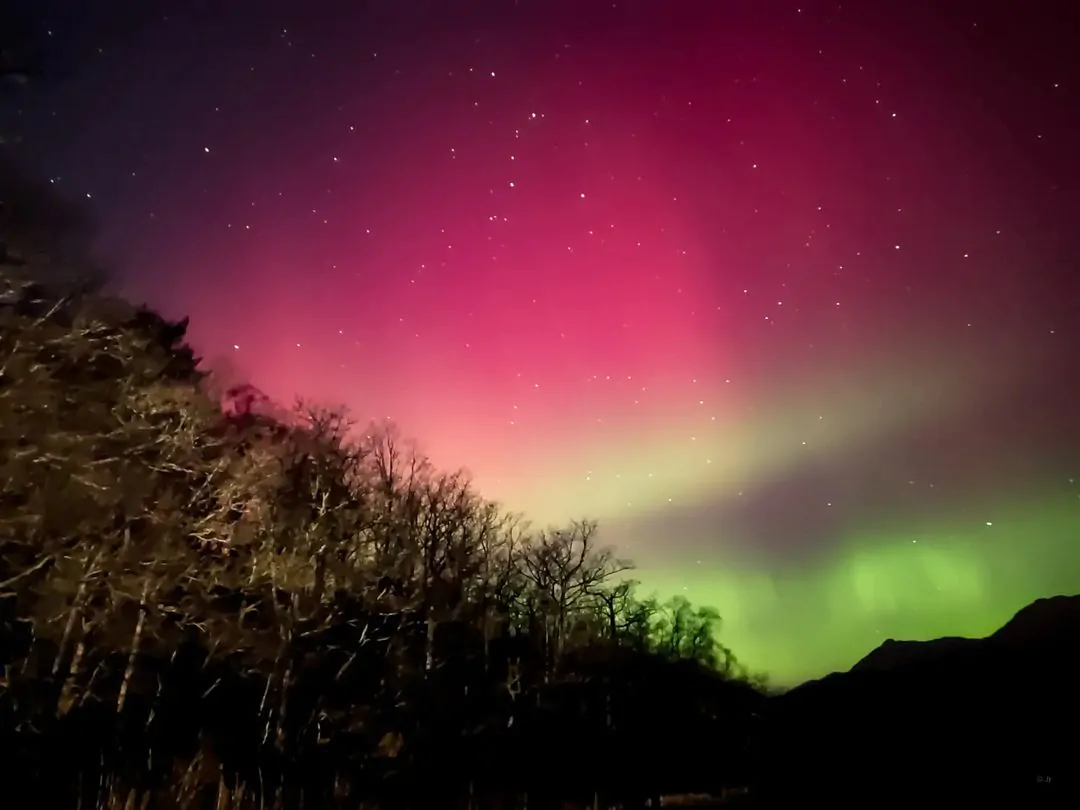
{"type": "Point", "coordinates": [783, 294]}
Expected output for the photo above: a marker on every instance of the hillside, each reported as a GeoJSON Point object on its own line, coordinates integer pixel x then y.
{"type": "Point", "coordinates": [949, 718]}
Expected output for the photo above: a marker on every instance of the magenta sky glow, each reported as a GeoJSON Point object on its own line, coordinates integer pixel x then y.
{"type": "Point", "coordinates": [770, 291]}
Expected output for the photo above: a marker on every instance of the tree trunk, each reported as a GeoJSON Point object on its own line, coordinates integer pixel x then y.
{"type": "Point", "coordinates": [286, 678]}
{"type": "Point", "coordinates": [429, 644]}
{"type": "Point", "coordinates": [67, 694]}
{"type": "Point", "coordinates": [486, 622]}
{"type": "Point", "coordinates": [318, 589]}
{"type": "Point", "coordinates": [133, 655]}
{"type": "Point", "coordinates": [76, 609]}
{"type": "Point", "coordinates": [75, 617]}
{"type": "Point", "coordinates": [264, 704]}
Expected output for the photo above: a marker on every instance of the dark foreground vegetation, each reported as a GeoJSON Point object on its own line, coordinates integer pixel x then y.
{"type": "Point", "coordinates": [206, 601]}
{"type": "Point", "coordinates": [969, 722]}
{"type": "Point", "coordinates": [210, 602]}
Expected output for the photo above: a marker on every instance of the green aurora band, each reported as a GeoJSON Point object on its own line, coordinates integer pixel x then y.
{"type": "Point", "coordinates": [951, 577]}
{"type": "Point", "coordinates": [963, 568]}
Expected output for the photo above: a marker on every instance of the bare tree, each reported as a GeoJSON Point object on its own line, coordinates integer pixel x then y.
{"type": "Point", "coordinates": [683, 631]}
{"type": "Point", "coordinates": [623, 617]}
{"type": "Point", "coordinates": [565, 571]}
{"type": "Point", "coordinates": [356, 592]}
{"type": "Point", "coordinates": [105, 467]}
{"type": "Point", "coordinates": [499, 587]}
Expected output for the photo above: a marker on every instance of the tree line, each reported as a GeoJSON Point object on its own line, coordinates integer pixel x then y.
{"type": "Point", "coordinates": [207, 600]}
{"type": "Point", "coordinates": [205, 595]}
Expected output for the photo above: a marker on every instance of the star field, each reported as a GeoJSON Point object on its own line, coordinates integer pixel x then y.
{"type": "Point", "coordinates": [785, 297]}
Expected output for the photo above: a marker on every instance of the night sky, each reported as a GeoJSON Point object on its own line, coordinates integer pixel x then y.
{"type": "Point", "coordinates": [784, 294]}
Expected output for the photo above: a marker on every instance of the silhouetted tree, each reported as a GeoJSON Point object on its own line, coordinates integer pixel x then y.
{"type": "Point", "coordinates": [204, 592]}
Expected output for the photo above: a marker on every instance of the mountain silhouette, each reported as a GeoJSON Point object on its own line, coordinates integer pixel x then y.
{"type": "Point", "coordinates": [1043, 621]}
{"type": "Point", "coordinates": [892, 654]}
{"type": "Point", "coordinates": [953, 718]}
